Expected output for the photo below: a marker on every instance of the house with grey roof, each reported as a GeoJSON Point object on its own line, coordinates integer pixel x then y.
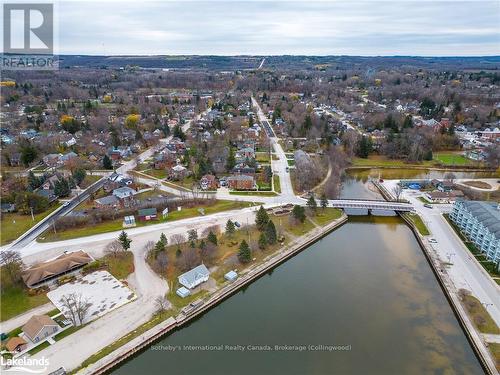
{"type": "Point", "coordinates": [192, 278]}
{"type": "Point", "coordinates": [479, 221]}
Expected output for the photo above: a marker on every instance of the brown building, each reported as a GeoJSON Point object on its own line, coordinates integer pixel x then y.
{"type": "Point", "coordinates": [241, 182]}
{"type": "Point", "coordinates": [51, 270]}
{"type": "Point", "coordinates": [39, 327]}
{"type": "Point", "coordinates": [16, 344]}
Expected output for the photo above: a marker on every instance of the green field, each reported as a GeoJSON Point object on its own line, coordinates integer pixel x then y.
{"type": "Point", "coordinates": [450, 158]}
{"type": "Point", "coordinates": [277, 183]}
{"type": "Point", "coordinates": [440, 159]}
{"type": "Point", "coordinates": [419, 224]}
{"type": "Point", "coordinates": [14, 224]}
{"type": "Point", "coordinates": [15, 300]}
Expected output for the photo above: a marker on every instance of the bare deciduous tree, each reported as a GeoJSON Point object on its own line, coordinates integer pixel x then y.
{"type": "Point", "coordinates": [177, 239]}
{"type": "Point", "coordinates": [75, 307]}
{"type": "Point", "coordinates": [12, 264]}
{"type": "Point", "coordinates": [114, 248]}
{"type": "Point", "coordinates": [397, 191]}
{"type": "Point", "coordinates": [161, 304]}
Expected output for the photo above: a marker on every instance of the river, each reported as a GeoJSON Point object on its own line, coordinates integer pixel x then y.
{"type": "Point", "coordinates": [366, 288]}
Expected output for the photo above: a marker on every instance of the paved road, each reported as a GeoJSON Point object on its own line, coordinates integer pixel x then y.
{"type": "Point", "coordinates": [464, 270]}
{"type": "Point", "coordinates": [279, 166]}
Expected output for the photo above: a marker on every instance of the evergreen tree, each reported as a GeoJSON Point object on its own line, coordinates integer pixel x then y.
{"type": "Point", "coordinates": [159, 247]}
{"type": "Point", "coordinates": [364, 147]}
{"type": "Point", "coordinates": [299, 213]}
{"type": "Point", "coordinates": [33, 181]}
{"type": "Point", "coordinates": [230, 228]}
{"type": "Point", "coordinates": [244, 254]}
{"type": "Point", "coordinates": [203, 245]}
{"type": "Point", "coordinates": [271, 235]}
{"type": "Point", "coordinates": [231, 160]}
{"type": "Point", "coordinates": [212, 238]}
{"type": "Point", "coordinates": [106, 162]}
{"type": "Point", "coordinates": [261, 218]}
{"type": "Point", "coordinates": [324, 201]}
{"type": "Point", "coordinates": [124, 240]}
{"type": "Point", "coordinates": [262, 241]}
{"type": "Point", "coordinates": [79, 175]}
{"type": "Point", "coordinates": [408, 122]}
{"type": "Point", "coordinates": [61, 188]}
{"type": "Point", "coordinates": [311, 203]}
{"type": "Point", "coordinates": [163, 239]}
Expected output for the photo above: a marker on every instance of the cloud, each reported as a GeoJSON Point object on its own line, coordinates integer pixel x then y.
{"type": "Point", "coordinates": [284, 27]}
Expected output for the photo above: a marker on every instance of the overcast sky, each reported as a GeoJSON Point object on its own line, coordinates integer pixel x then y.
{"type": "Point", "coordinates": [399, 27]}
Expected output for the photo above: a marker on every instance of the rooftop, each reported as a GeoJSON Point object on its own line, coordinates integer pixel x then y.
{"type": "Point", "coordinates": [487, 213]}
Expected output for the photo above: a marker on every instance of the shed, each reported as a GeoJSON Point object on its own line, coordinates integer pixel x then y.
{"type": "Point", "coordinates": [183, 292]}
{"type": "Point", "coordinates": [231, 276]}
{"type": "Point", "coordinates": [146, 214]}
{"type": "Point", "coordinates": [16, 344]}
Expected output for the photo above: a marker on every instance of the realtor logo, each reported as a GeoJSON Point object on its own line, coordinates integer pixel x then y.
{"type": "Point", "coordinates": [28, 29]}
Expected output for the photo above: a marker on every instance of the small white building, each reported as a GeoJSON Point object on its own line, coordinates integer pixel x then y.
{"type": "Point", "coordinates": [231, 276]}
{"type": "Point", "coordinates": [192, 278]}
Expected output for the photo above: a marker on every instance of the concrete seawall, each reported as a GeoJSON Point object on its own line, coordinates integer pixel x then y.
{"type": "Point", "coordinates": [156, 333]}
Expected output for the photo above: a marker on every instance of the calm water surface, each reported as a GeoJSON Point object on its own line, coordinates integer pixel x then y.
{"type": "Point", "coordinates": [366, 285]}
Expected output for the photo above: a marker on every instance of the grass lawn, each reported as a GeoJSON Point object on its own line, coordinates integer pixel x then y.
{"type": "Point", "coordinates": [120, 266]}
{"type": "Point", "coordinates": [480, 317]}
{"type": "Point", "coordinates": [421, 227]}
{"type": "Point", "coordinates": [263, 157]}
{"type": "Point", "coordinates": [89, 180]}
{"type": "Point", "coordinates": [494, 348]}
{"type": "Point", "coordinates": [325, 216]}
{"type": "Point", "coordinates": [15, 301]}
{"type": "Point", "coordinates": [15, 224]}
{"type": "Point", "coordinates": [116, 225]}
{"type": "Point", "coordinates": [40, 347]}
{"type": "Point", "coordinates": [452, 158]}
{"type": "Point", "coordinates": [298, 229]}
{"type": "Point", "coordinates": [157, 173]}
{"type": "Point", "coordinates": [256, 193]}
{"type": "Point", "coordinates": [382, 161]}
{"type": "Point", "coordinates": [277, 183]}
{"type": "Point", "coordinates": [291, 162]}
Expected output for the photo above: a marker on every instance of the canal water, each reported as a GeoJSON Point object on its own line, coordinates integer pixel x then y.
{"type": "Point", "coordinates": [362, 300]}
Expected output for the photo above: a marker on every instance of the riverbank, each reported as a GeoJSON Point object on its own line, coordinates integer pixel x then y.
{"type": "Point", "coordinates": [246, 277]}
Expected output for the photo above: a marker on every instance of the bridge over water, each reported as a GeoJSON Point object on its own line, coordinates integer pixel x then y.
{"type": "Point", "coordinates": [364, 204]}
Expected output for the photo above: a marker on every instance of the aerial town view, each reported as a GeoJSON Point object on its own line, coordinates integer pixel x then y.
{"type": "Point", "coordinates": [250, 187]}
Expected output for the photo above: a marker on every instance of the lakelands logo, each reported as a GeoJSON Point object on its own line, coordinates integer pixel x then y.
{"type": "Point", "coordinates": [28, 36]}
{"type": "Point", "coordinates": [24, 365]}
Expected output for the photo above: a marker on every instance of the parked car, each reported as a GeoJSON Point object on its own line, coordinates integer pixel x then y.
{"type": "Point", "coordinates": [236, 224]}
{"type": "Point", "coordinates": [428, 205]}
{"type": "Point", "coordinates": [432, 240]}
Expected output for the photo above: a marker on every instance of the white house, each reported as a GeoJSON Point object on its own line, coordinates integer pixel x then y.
{"type": "Point", "coordinates": [192, 278]}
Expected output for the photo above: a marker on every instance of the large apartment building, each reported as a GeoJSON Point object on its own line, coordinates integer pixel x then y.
{"type": "Point", "coordinates": [480, 222]}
